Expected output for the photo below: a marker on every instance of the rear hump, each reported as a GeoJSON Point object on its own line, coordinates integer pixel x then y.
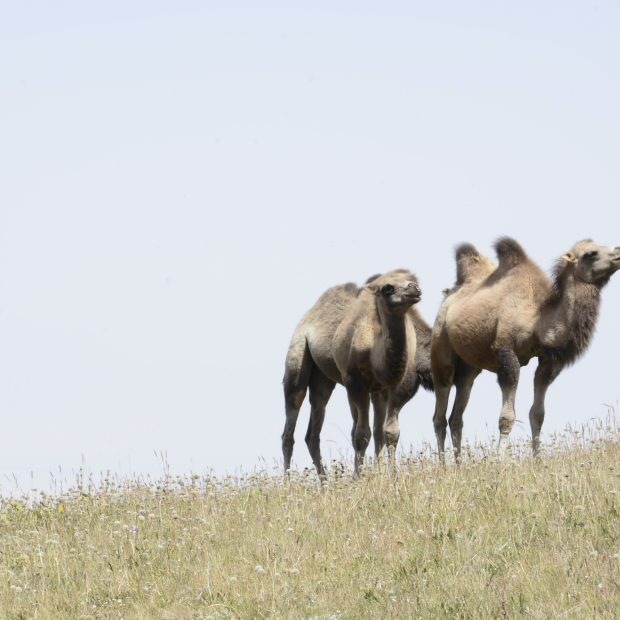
{"type": "Point", "coordinates": [509, 252]}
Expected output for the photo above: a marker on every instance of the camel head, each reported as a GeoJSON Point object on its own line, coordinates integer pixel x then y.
{"type": "Point", "coordinates": [395, 291]}
{"type": "Point", "coordinates": [591, 262]}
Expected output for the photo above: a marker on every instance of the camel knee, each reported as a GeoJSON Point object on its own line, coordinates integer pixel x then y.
{"type": "Point", "coordinates": [537, 417]}
{"type": "Point", "coordinates": [440, 423]}
{"type": "Point", "coordinates": [392, 437]}
{"type": "Point", "coordinates": [361, 438]}
{"type": "Point", "coordinates": [392, 433]}
{"type": "Point", "coordinates": [506, 422]}
{"type": "Point", "coordinates": [456, 426]}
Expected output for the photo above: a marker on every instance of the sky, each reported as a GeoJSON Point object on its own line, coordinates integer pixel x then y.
{"type": "Point", "coordinates": [180, 182]}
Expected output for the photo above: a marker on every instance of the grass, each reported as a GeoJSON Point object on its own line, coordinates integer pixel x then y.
{"type": "Point", "coordinates": [517, 538]}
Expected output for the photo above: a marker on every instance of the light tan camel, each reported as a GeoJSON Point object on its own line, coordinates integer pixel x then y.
{"type": "Point", "coordinates": [310, 365]}
{"type": "Point", "coordinates": [374, 349]}
{"type": "Point", "coordinates": [498, 317]}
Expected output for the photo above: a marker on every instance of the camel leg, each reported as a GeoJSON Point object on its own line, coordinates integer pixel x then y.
{"type": "Point", "coordinates": [397, 399]}
{"type": "Point", "coordinates": [321, 388]}
{"type": "Point", "coordinates": [546, 373]}
{"type": "Point", "coordinates": [359, 399]}
{"type": "Point", "coordinates": [464, 380]}
{"type": "Point", "coordinates": [379, 405]}
{"type": "Point", "coordinates": [508, 370]}
{"type": "Point", "coordinates": [296, 379]}
{"type": "Point", "coordinates": [443, 363]}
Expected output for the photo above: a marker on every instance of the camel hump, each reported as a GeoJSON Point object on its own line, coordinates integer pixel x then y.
{"type": "Point", "coordinates": [468, 262]}
{"type": "Point", "coordinates": [373, 278]}
{"type": "Point", "coordinates": [509, 252]}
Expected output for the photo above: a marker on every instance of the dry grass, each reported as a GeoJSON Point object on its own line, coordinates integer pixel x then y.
{"type": "Point", "coordinates": [489, 539]}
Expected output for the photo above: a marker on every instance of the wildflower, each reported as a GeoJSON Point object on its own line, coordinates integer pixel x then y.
{"type": "Point", "coordinates": [290, 529]}
{"type": "Point", "coordinates": [593, 554]}
{"type": "Point", "coordinates": [278, 576]}
{"type": "Point", "coordinates": [141, 518]}
{"type": "Point", "coordinates": [134, 529]}
{"type": "Point", "coordinates": [578, 507]}
{"type": "Point", "coordinates": [259, 569]}
{"type": "Point", "coordinates": [18, 589]}
{"type": "Point", "coordinates": [233, 579]}
{"type": "Point", "coordinates": [420, 533]}
{"type": "Point", "coordinates": [294, 571]}
{"type": "Point", "coordinates": [151, 516]}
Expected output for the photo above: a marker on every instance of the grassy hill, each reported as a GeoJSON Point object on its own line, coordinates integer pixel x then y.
{"type": "Point", "coordinates": [517, 538]}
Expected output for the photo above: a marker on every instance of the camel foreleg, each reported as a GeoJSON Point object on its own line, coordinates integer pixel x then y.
{"type": "Point", "coordinates": [379, 405]}
{"type": "Point", "coordinates": [508, 370]}
{"type": "Point", "coordinates": [359, 399]}
{"type": "Point", "coordinates": [545, 375]}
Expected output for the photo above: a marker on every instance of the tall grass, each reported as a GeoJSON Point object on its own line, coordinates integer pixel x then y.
{"type": "Point", "coordinates": [520, 537]}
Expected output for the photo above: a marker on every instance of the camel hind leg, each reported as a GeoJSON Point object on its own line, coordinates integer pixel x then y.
{"type": "Point", "coordinates": [464, 378]}
{"type": "Point", "coordinates": [296, 379]}
{"type": "Point", "coordinates": [321, 388]}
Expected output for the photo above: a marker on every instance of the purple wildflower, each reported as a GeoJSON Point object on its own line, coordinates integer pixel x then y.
{"type": "Point", "coordinates": [134, 529]}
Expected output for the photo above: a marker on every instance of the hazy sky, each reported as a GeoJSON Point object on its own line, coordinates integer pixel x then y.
{"type": "Point", "coordinates": [179, 182]}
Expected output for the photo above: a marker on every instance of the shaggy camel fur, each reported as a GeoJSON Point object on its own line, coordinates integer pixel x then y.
{"type": "Point", "coordinates": [498, 317]}
{"type": "Point", "coordinates": [310, 365]}
{"type": "Point", "coordinates": [374, 348]}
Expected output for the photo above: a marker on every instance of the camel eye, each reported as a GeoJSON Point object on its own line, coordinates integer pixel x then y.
{"type": "Point", "coordinates": [589, 255]}
{"type": "Point", "coordinates": [387, 289]}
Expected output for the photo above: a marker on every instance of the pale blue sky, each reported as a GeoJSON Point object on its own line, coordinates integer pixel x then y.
{"type": "Point", "coordinates": [179, 182]}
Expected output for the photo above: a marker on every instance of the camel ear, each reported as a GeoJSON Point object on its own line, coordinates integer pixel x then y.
{"type": "Point", "coordinates": [373, 289]}
{"type": "Point", "coordinates": [445, 292]}
{"type": "Point", "coordinates": [569, 257]}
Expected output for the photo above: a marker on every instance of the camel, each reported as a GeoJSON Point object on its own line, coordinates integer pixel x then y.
{"type": "Point", "coordinates": [498, 317]}
{"type": "Point", "coordinates": [310, 365]}
{"type": "Point", "coordinates": [374, 348]}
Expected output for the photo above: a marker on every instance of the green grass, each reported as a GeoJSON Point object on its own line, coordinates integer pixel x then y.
{"type": "Point", "coordinates": [518, 538]}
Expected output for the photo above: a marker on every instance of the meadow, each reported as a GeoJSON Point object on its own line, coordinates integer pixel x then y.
{"type": "Point", "coordinates": [512, 538]}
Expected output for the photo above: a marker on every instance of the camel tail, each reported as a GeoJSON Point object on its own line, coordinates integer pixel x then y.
{"type": "Point", "coordinates": [509, 252]}
{"type": "Point", "coordinates": [468, 261]}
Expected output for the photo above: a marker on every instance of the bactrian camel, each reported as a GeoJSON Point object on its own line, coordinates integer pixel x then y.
{"type": "Point", "coordinates": [498, 317]}
{"type": "Point", "coordinates": [310, 366]}
{"type": "Point", "coordinates": [374, 348]}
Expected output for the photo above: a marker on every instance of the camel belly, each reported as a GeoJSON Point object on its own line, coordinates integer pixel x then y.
{"type": "Point", "coordinates": [473, 337]}
{"type": "Point", "coordinates": [476, 334]}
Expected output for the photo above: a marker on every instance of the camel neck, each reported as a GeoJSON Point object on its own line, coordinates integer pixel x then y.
{"type": "Point", "coordinates": [393, 346]}
{"type": "Point", "coordinates": [570, 321]}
